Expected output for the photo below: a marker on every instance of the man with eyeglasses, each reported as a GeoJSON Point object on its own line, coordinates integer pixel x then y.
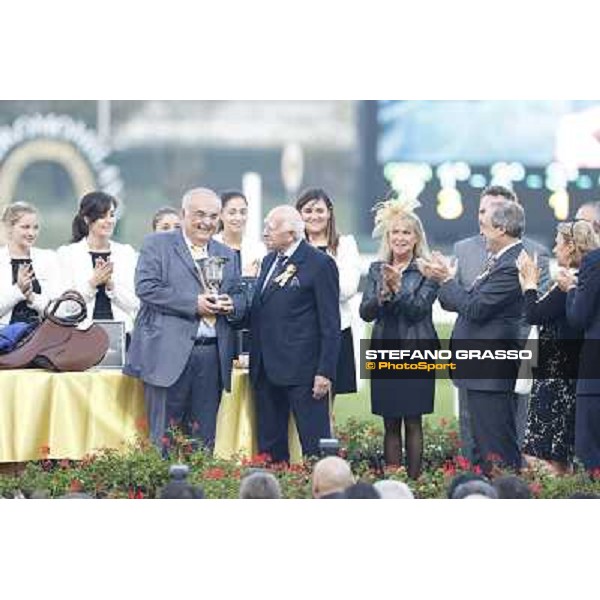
{"type": "Point", "coordinates": [183, 342]}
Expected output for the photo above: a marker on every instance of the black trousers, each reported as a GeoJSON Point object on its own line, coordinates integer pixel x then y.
{"type": "Point", "coordinates": [273, 405]}
{"type": "Point", "coordinates": [494, 428]}
{"type": "Point", "coordinates": [587, 430]}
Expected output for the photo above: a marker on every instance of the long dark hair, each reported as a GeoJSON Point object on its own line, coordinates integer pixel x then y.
{"type": "Point", "coordinates": [226, 196]}
{"type": "Point", "coordinates": [92, 206]}
{"type": "Point", "coordinates": [310, 194]}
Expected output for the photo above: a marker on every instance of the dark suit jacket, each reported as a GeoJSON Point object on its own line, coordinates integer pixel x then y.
{"type": "Point", "coordinates": [491, 310]}
{"type": "Point", "coordinates": [583, 312]}
{"type": "Point", "coordinates": [471, 256]}
{"type": "Point", "coordinates": [296, 327]}
{"type": "Point", "coordinates": [167, 284]}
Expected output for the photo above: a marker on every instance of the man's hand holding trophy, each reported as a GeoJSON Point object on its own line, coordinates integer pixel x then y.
{"type": "Point", "coordinates": [211, 302]}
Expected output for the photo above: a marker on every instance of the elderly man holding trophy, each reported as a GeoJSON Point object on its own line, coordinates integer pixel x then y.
{"type": "Point", "coordinates": [183, 342]}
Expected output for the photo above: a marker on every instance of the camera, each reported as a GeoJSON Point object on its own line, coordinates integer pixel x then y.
{"type": "Point", "coordinates": [329, 446]}
{"type": "Point", "coordinates": [178, 472]}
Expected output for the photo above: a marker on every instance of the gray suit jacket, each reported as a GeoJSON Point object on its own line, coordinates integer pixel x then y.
{"type": "Point", "coordinates": [167, 284]}
{"type": "Point", "coordinates": [471, 256]}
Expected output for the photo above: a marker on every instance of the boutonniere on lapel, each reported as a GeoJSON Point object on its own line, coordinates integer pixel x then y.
{"type": "Point", "coordinates": [283, 278]}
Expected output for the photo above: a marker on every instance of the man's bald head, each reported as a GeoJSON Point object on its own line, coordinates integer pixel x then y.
{"type": "Point", "coordinates": [330, 475]}
{"type": "Point", "coordinates": [200, 212]}
{"type": "Point", "coordinates": [283, 227]}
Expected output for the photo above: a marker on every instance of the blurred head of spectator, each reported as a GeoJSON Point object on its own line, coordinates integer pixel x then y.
{"type": "Point", "coordinates": [393, 490]}
{"type": "Point", "coordinates": [511, 487]}
{"type": "Point", "coordinates": [475, 490]}
{"type": "Point", "coordinates": [331, 476]}
{"type": "Point", "coordinates": [166, 219]}
{"type": "Point", "coordinates": [361, 491]}
{"type": "Point", "coordinates": [260, 485]}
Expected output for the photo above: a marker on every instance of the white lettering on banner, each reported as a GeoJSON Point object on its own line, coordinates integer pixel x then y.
{"type": "Point", "coordinates": [60, 139]}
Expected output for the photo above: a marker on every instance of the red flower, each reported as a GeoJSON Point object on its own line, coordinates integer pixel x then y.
{"type": "Point", "coordinates": [477, 470]}
{"type": "Point", "coordinates": [296, 468]}
{"type": "Point", "coordinates": [462, 462]}
{"type": "Point", "coordinates": [214, 473]}
{"type": "Point", "coordinates": [45, 451]}
{"type": "Point", "coordinates": [64, 463]}
{"type": "Point", "coordinates": [141, 424]}
{"type": "Point", "coordinates": [75, 486]}
{"type": "Point", "coordinates": [535, 488]}
{"type": "Point", "coordinates": [260, 459]}
{"type": "Point", "coordinates": [166, 441]}
{"type": "Point", "coordinates": [449, 469]}
{"type": "Point", "coordinates": [494, 458]}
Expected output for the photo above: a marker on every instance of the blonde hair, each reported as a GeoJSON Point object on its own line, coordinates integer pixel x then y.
{"type": "Point", "coordinates": [583, 237]}
{"type": "Point", "coordinates": [388, 213]}
{"type": "Point", "coordinates": [14, 211]}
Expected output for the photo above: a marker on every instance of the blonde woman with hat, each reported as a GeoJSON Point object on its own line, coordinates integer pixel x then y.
{"type": "Point", "coordinates": [399, 299]}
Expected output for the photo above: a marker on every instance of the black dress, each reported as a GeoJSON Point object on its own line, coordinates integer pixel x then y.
{"type": "Point", "coordinates": [407, 319]}
{"type": "Point", "coordinates": [103, 306]}
{"type": "Point", "coordinates": [345, 374]}
{"type": "Point", "coordinates": [550, 433]}
{"type": "Point", "coordinates": [22, 312]}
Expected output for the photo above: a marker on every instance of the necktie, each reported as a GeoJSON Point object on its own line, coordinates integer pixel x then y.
{"type": "Point", "coordinates": [489, 265]}
{"type": "Point", "coordinates": [198, 253]}
{"type": "Point", "coordinates": [277, 269]}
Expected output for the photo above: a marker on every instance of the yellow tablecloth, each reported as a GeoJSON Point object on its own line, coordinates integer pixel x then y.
{"type": "Point", "coordinates": [71, 414]}
{"type": "Point", "coordinates": [236, 422]}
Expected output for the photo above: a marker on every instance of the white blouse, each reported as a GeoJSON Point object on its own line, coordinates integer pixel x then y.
{"type": "Point", "coordinates": [250, 250]}
{"type": "Point", "coordinates": [348, 264]}
{"type": "Point", "coordinates": [77, 270]}
{"type": "Point", "coordinates": [47, 272]}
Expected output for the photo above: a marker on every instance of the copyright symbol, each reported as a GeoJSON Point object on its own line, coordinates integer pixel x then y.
{"type": "Point", "coordinates": [370, 366]}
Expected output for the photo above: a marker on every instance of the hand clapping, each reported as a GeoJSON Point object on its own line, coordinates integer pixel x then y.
{"type": "Point", "coordinates": [566, 280]}
{"type": "Point", "coordinates": [439, 268]}
{"type": "Point", "coordinates": [103, 271]}
{"type": "Point", "coordinates": [390, 279]}
{"type": "Point", "coordinates": [25, 281]}
{"type": "Point", "coordinates": [529, 273]}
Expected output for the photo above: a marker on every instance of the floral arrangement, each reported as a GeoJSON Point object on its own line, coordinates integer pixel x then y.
{"type": "Point", "coordinates": [141, 470]}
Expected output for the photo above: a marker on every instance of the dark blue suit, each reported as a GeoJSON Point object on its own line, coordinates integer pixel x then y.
{"type": "Point", "coordinates": [583, 312]}
{"type": "Point", "coordinates": [295, 336]}
{"type": "Point", "coordinates": [491, 310]}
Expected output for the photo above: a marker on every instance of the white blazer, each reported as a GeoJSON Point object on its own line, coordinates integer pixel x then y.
{"type": "Point", "coordinates": [77, 270]}
{"type": "Point", "coordinates": [47, 271]}
{"type": "Point", "coordinates": [250, 250]}
{"type": "Point", "coordinates": [348, 264]}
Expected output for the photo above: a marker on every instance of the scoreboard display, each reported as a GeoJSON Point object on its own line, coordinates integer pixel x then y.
{"type": "Point", "coordinates": [446, 152]}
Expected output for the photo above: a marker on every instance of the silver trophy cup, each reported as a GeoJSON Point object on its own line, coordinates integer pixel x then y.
{"type": "Point", "coordinates": [211, 273]}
